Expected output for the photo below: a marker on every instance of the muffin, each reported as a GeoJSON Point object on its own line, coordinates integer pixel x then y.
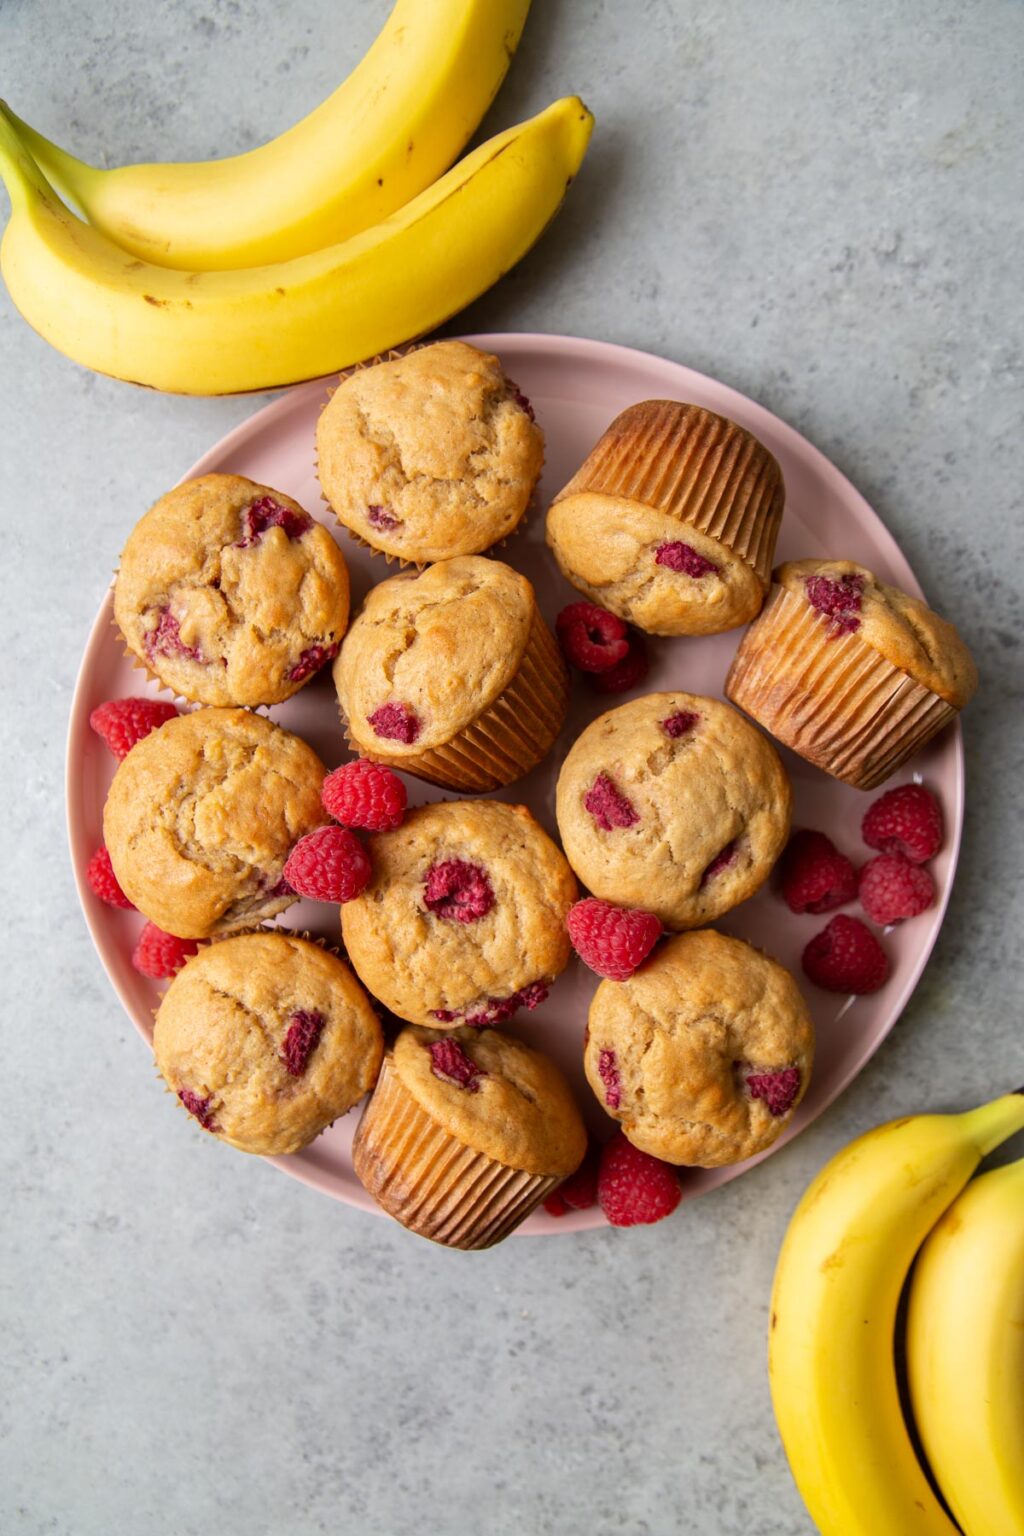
{"type": "Point", "coordinates": [463, 920]}
{"type": "Point", "coordinates": [430, 455]}
{"type": "Point", "coordinates": [465, 1134]}
{"type": "Point", "coordinates": [229, 593]}
{"type": "Point", "coordinates": [851, 673]}
{"type": "Point", "coordinates": [704, 1054]}
{"type": "Point", "coordinates": [673, 803]}
{"type": "Point", "coordinates": [201, 816]}
{"type": "Point", "coordinates": [671, 521]}
{"type": "Point", "coordinates": [265, 1039]}
{"type": "Point", "coordinates": [453, 675]}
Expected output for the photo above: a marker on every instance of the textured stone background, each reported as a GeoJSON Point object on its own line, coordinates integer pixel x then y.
{"type": "Point", "coordinates": [817, 202]}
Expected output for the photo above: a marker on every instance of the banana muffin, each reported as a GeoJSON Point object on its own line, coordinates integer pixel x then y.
{"type": "Point", "coordinates": [430, 455]}
{"type": "Point", "coordinates": [465, 1134]}
{"type": "Point", "coordinates": [675, 804]}
{"type": "Point", "coordinates": [229, 593]}
{"type": "Point", "coordinates": [671, 521]}
{"type": "Point", "coordinates": [452, 674]}
{"type": "Point", "coordinates": [266, 1038]}
{"type": "Point", "coordinates": [463, 921]}
{"type": "Point", "coordinates": [854, 675]}
{"type": "Point", "coordinates": [704, 1054]}
{"type": "Point", "coordinates": [201, 816]}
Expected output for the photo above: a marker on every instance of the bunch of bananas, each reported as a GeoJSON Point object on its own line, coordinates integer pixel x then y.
{"type": "Point", "coordinates": [840, 1276]}
{"type": "Point", "coordinates": [345, 236]}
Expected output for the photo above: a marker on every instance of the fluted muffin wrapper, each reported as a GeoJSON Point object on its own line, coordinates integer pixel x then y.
{"type": "Point", "coordinates": [431, 1182]}
{"type": "Point", "coordinates": [700, 468]}
{"type": "Point", "coordinates": [832, 698]}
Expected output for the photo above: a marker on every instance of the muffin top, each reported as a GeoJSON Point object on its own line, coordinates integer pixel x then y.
{"type": "Point", "coordinates": [429, 652]}
{"type": "Point", "coordinates": [431, 455]}
{"type": "Point", "coordinates": [903, 629]}
{"type": "Point", "coordinates": [266, 1039]}
{"type": "Point", "coordinates": [464, 917]}
{"type": "Point", "coordinates": [704, 1053]}
{"type": "Point", "coordinates": [675, 804]}
{"type": "Point", "coordinates": [201, 816]}
{"type": "Point", "coordinates": [230, 593]}
{"type": "Point", "coordinates": [496, 1095]}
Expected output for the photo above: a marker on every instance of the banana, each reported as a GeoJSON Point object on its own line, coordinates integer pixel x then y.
{"type": "Point", "coordinates": [203, 333]}
{"type": "Point", "coordinates": [965, 1353]}
{"type": "Point", "coordinates": [385, 134]}
{"type": "Point", "coordinates": [842, 1266]}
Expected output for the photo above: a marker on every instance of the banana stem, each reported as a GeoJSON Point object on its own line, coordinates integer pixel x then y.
{"type": "Point", "coordinates": [64, 171]}
{"type": "Point", "coordinates": [21, 176]}
{"type": "Point", "coordinates": [992, 1123]}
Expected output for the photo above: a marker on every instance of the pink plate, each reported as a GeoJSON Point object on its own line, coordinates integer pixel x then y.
{"type": "Point", "coordinates": [576, 388]}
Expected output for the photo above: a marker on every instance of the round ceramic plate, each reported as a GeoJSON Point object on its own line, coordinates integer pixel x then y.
{"type": "Point", "coordinates": [576, 387]}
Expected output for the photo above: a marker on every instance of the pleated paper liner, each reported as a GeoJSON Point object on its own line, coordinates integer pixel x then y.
{"type": "Point", "coordinates": [832, 698]}
{"type": "Point", "coordinates": [695, 466]}
{"type": "Point", "coordinates": [429, 1181]}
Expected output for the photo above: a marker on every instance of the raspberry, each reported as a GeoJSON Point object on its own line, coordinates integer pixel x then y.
{"type": "Point", "coordinates": [268, 513]}
{"type": "Point", "coordinates": [165, 639]}
{"type": "Point", "coordinates": [592, 638]}
{"type": "Point", "coordinates": [608, 1072]}
{"type": "Point", "coordinates": [123, 722]}
{"type": "Point", "coordinates": [555, 1205]}
{"type": "Point", "coordinates": [778, 1090]}
{"type": "Point", "coordinates": [633, 1188]}
{"type": "Point", "coordinates": [608, 805]}
{"type": "Point", "coordinates": [722, 859]}
{"type": "Point", "coordinates": [680, 724]}
{"type": "Point", "coordinates": [311, 660]}
{"type": "Point", "coordinates": [579, 1191]}
{"type": "Point", "coordinates": [395, 722]}
{"type": "Point", "coordinates": [891, 888]}
{"type": "Point", "coordinates": [329, 864]}
{"type": "Point", "coordinates": [160, 954]}
{"type": "Point", "coordinates": [497, 1009]}
{"type": "Point", "coordinates": [521, 400]}
{"type": "Point", "coordinates": [100, 874]}
{"type": "Point", "coordinates": [449, 1062]}
{"type": "Point", "coordinates": [365, 794]}
{"type": "Point", "coordinates": [612, 940]}
{"type": "Point", "coordinates": [301, 1040]}
{"type": "Point", "coordinates": [380, 517]}
{"type": "Point", "coordinates": [684, 559]}
{"type": "Point", "coordinates": [814, 875]}
{"type": "Point", "coordinates": [199, 1108]}
{"type": "Point", "coordinates": [906, 820]}
{"type": "Point", "coordinates": [632, 669]}
{"type": "Point", "coordinates": [458, 890]}
{"type": "Point", "coordinates": [846, 957]}
{"type": "Point", "coordinates": [839, 601]}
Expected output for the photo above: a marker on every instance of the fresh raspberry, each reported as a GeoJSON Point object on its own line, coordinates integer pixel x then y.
{"type": "Point", "coordinates": [906, 820]}
{"type": "Point", "coordinates": [449, 1062]}
{"type": "Point", "coordinates": [380, 517]}
{"type": "Point", "coordinates": [684, 559]}
{"type": "Point", "coordinates": [778, 1090]}
{"type": "Point", "coordinates": [846, 957]}
{"type": "Point", "coordinates": [301, 1040]}
{"type": "Point", "coordinates": [497, 1009]}
{"type": "Point", "coordinates": [123, 722]}
{"type": "Point", "coordinates": [839, 601]}
{"type": "Point", "coordinates": [100, 874]}
{"type": "Point", "coordinates": [608, 805]}
{"type": "Point", "coordinates": [268, 513]}
{"type": "Point", "coordinates": [891, 888]}
{"type": "Point", "coordinates": [634, 1188]}
{"type": "Point", "coordinates": [592, 638]}
{"type": "Point", "coordinates": [458, 890]}
{"type": "Point", "coordinates": [612, 940]}
{"type": "Point", "coordinates": [608, 1072]}
{"type": "Point", "coordinates": [555, 1205]}
{"type": "Point", "coordinates": [722, 859]}
{"type": "Point", "coordinates": [329, 864]}
{"type": "Point", "coordinates": [311, 660]}
{"type": "Point", "coordinates": [579, 1191]}
{"type": "Point", "coordinates": [814, 875]}
{"type": "Point", "coordinates": [199, 1108]}
{"type": "Point", "coordinates": [165, 639]}
{"type": "Point", "coordinates": [628, 672]}
{"type": "Point", "coordinates": [364, 794]}
{"type": "Point", "coordinates": [395, 722]}
{"type": "Point", "coordinates": [680, 724]}
{"type": "Point", "coordinates": [160, 954]}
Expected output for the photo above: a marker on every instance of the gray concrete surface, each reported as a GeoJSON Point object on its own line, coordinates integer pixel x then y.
{"type": "Point", "coordinates": [819, 202]}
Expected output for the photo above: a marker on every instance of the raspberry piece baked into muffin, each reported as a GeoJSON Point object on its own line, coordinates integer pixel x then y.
{"type": "Point", "coordinates": [266, 1039]}
{"type": "Point", "coordinates": [675, 804]}
{"type": "Point", "coordinates": [430, 455]}
{"type": "Point", "coordinates": [229, 593]}
{"type": "Point", "coordinates": [201, 816]}
{"type": "Point", "coordinates": [452, 674]}
{"type": "Point", "coordinates": [463, 921]}
{"type": "Point", "coordinates": [704, 1054]}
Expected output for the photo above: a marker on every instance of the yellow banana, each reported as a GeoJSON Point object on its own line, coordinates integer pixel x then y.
{"type": "Point", "coordinates": [204, 333]}
{"type": "Point", "coordinates": [842, 1266]}
{"type": "Point", "coordinates": [965, 1353]}
{"type": "Point", "coordinates": [386, 134]}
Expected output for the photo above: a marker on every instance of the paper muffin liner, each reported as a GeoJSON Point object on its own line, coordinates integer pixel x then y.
{"type": "Point", "coordinates": [431, 1182]}
{"type": "Point", "coordinates": [695, 466]}
{"type": "Point", "coordinates": [832, 698]}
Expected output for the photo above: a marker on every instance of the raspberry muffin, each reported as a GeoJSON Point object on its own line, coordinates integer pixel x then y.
{"type": "Point", "coordinates": [463, 921]}
{"type": "Point", "coordinates": [430, 455]}
{"type": "Point", "coordinates": [266, 1039]}
{"type": "Point", "coordinates": [671, 521]}
{"type": "Point", "coordinates": [452, 674]}
{"type": "Point", "coordinates": [851, 673]}
{"type": "Point", "coordinates": [704, 1054]}
{"type": "Point", "coordinates": [201, 816]}
{"type": "Point", "coordinates": [465, 1134]}
{"type": "Point", "coordinates": [673, 803]}
{"type": "Point", "coordinates": [229, 593]}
